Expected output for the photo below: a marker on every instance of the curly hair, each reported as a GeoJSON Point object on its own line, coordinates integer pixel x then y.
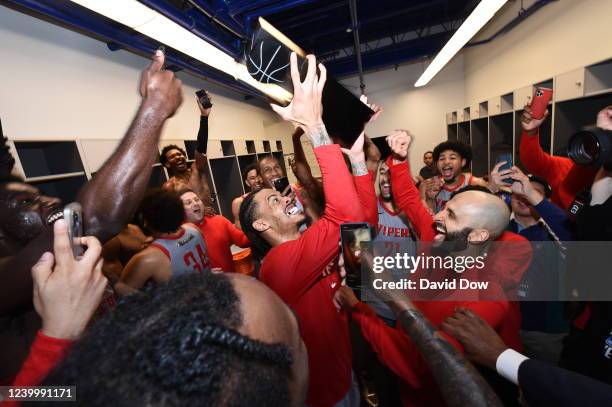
{"type": "Point", "coordinates": [248, 214]}
{"type": "Point", "coordinates": [177, 345]}
{"type": "Point", "coordinates": [249, 168]}
{"type": "Point", "coordinates": [162, 156]}
{"type": "Point", "coordinates": [458, 147]}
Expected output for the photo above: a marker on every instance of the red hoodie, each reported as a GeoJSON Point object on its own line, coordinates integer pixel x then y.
{"type": "Point", "coordinates": [294, 270]}
{"type": "Point", "coordinates": [219, 235]}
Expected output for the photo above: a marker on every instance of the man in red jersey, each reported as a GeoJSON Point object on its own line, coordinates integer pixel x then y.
{"type": "Point", "coordinates": [469, 218]}
{"type": "Point", "coordinates": [294, 262]}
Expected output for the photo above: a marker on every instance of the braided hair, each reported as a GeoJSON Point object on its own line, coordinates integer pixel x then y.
{"type": "Point", "coordinates": [177, 344]}
{"type": "Point", "coordinates": [248, 214]}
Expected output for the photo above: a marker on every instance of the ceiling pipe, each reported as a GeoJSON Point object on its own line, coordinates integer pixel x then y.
{"type": "Point", "coordinates": [220, 17]}
{"type": "Point", "coordinates": [523, 14]}
{"type": "Point", "coordinates": [224, 41]}
{"type": "Point", "coordinates": [355, 29]}
{"type": "Point", "coordinates": [256, 11]}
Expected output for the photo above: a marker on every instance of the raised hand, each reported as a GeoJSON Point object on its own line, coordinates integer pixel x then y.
{"type": "Point", "coordinates": [356, 156]}
{"type": "Point", "coordinates": [497, 177]}
{"type": "Point", "coordinates": [432, 187]}
{"type": "Point", "coordinates": [306, 109]}
{"type": "Point", "coordinates": [604, 118]}
{"type": "Point", "coordinates": [522, 186]}
{"type": "Point", "coordinates": [67, 291]}
{"type": "Point", "coordinates": [204, 111]}
{"type": "Point", "coordinates": [399, 141]}
{"type": "Point", "coordinates": [530, 124]}
{"type": "Point", "coordinates": [376, 108]}
{"type": "Point", "coordinates": [160, 89]}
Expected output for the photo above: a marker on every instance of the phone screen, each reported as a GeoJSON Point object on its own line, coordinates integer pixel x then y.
{"type": "Point", "coordinates": [73, 215]}
{"type": "Point", "coordinates": [282, 185]}
{"type": "Point", "coordinates": [507, 157]}
{"type": "Point", "coordinates": [354, 237]}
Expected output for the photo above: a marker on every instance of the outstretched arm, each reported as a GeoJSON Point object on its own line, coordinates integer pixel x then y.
{"type": "Point", "coordinates": [303, 173]}
{"type": "Point", "coordinates": [198, 180]}
{"type": "Point", "coordinates": [110, 199]}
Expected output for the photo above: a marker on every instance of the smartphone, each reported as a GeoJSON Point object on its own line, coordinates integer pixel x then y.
{"type": "Point", "coordinates": [204, 98]}
{"type": "Point", "coordinates": [540, 100]}
{"type": "Point", "coordinates": [507, 157]}
{"type": "Point", "coordinates": [354, 238]}
{"type": "Point", "coordinates": [73, 215]}
{"type": "Point", "coordinates": [282, 185]}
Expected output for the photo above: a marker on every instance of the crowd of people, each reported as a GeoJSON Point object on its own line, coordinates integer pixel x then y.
{"type": "Point", "coordinates": [155, 311]}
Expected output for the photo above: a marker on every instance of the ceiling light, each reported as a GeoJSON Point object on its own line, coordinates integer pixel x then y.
{"type": "Point", "coordinates": [149, 22]}
{"type": "Point", "coordinates": [485, 10]}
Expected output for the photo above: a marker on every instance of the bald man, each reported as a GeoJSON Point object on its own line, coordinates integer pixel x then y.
{"type": "Point", "coordinates": [467, 226]}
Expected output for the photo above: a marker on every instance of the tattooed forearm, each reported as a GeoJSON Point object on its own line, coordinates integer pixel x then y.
{"type": "Point", "coordinates": [359, 167]}
{"type": "Point", "coordinates": [318, 136]}
{"type": "Point", "coordinates": [458, 380]}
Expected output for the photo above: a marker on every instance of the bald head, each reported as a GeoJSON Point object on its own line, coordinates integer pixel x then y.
{"type": "Point", "coordinates": [481, 214]}
{"type": "Point", "coordinates": [483, 211]}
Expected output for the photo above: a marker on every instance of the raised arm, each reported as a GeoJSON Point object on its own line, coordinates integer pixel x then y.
{"type": "Point", "coordinates": [362, 177]}
{"type": "Point", "coordinates": [406, 195]}
{"type": "Point", "coordinates": [198, 180]}
{"type": "Point", "coordinates": [111, 197]}
{"type": "Point", "coordinates": [303, 173]}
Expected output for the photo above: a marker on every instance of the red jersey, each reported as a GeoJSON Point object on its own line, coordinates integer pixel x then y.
{"type": "Point", "coordinates": [294, 271]}
{"type": "Point", "coordinates": [220, 234]}
{"type": "Point", "coordinates": [566, 178]}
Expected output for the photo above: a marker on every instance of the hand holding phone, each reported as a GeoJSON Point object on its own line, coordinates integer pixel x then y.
{"type": "Point", "coordinates": [354, 238]}
{"type": "Point", "coordinates": [507, 159]}
{"type": "Point", "coordinates": [73, 215]}
{"type": "Point", "coordinates": [204, 98]}
{"type": "Point", "coordinates": [539, 103]}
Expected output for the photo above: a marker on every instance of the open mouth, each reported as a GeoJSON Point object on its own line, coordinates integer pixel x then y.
{"type": "Point", "coordinates": [51, 219]}
{"type": "Point", "coordinates": [440, 233]}
{"type": "Point", "coordinates": [291, 209]}
{"type": "Point", "coordinates": [447, 172]}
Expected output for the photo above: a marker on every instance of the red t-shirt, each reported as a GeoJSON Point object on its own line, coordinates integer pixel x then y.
{"type": "Point", "coordinates": [294, 271]}
{"type": "Point", "coordinates": [566, 178]}
{"type": "Point", "coordinates": [220, 234]}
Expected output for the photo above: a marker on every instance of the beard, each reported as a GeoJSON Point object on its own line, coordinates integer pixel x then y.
{"type": "Point", "coordinates": [453, 242]}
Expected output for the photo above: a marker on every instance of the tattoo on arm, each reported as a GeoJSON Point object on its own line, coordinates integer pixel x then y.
{"type": "Point", "coordinates": [319, 137]}
{"type": "Point", "coordinates": [457, 379]}
{"type": "Point", "coordinates": [359, 167]}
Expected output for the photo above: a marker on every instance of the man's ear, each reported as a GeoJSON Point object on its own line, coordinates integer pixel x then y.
{"type": "Point", "coordinates": [167, 165]}
{"type": "Point", "coordinates": [260, 226]}
{"type": "Point", "coordinates": [463, 162]}
{"type": "Point", "coordinates": [479, 236]}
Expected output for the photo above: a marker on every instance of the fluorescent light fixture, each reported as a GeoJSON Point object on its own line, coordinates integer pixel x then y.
{"type": "Point", "coordinates": [149, 22]}
{"type": "Point", "coordinates": [485, 10]}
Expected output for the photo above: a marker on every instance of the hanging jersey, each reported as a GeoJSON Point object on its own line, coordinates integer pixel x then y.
{"type": "Point", "coordinates": [186, 252]}
{"type": "Point", "coordinates": [445, 193]}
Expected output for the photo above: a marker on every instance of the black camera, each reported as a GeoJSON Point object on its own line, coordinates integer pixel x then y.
{"type": "Point", "coordinates": [591, 146]}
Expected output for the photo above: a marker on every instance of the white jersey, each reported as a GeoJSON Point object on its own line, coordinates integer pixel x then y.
{"type": "Point", "coordinates": [186, 252]}
{"type": "Point", "coordinates": [445, 193]}
{"type": "Point", "coordinates": [394, 235]}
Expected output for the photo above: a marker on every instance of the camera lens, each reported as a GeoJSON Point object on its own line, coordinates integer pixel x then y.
{"type": "Point", "coordinates": [590, 146]}
{"type": "Point", "coordinates": [583, 148]}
